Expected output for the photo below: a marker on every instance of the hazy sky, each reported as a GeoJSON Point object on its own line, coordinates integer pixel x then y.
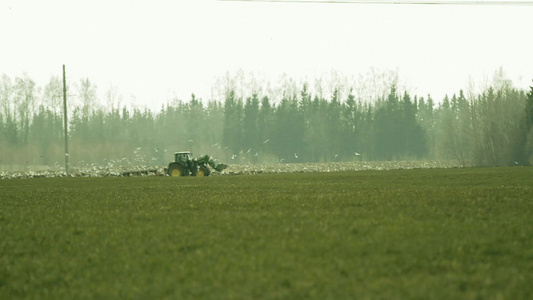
{"type": "Point", "coordinates": [156, 50]}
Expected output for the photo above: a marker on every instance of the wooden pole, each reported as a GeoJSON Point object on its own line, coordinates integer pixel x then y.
{"type": "Point", "coordinates": [65, 118]}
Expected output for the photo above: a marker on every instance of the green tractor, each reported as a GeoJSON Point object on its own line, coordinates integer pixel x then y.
{"type": "Point", "coordinates": [185, 165]}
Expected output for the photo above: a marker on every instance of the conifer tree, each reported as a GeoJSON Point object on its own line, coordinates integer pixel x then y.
{"type": "Point", "coordinates": [232, 133]}
{"type": "Point", "coordinates": [250, 126]}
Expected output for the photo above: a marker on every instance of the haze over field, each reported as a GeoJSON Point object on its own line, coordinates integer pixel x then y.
{"type": "Point", "coordinates": [266, 82]}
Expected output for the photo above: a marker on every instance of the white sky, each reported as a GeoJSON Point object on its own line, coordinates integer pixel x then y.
{"type": "Point", "coordinates": [155, 50]}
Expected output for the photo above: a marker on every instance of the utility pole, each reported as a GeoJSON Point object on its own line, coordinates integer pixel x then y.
{"type": "Point", "coordinates": [65, 118]}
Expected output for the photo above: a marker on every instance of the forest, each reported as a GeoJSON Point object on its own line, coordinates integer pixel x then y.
{"type": "Point", "coordinates": [489, 128]}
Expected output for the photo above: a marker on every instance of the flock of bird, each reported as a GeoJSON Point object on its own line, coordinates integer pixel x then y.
{"type": "Point", "coordinates": [121, 168]}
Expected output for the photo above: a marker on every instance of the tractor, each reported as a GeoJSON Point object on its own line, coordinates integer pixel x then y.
{"type": "Point", "coordinates": [185, 165]}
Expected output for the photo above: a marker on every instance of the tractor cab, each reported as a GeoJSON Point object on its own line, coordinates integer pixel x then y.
{"type": "Point", "coordinates": [182, 157]}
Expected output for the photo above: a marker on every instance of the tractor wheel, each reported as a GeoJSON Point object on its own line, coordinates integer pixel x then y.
{"type": "Point", "coordinates": [203, 171]}
{"type": "Point", "coordinates": [176, 171]}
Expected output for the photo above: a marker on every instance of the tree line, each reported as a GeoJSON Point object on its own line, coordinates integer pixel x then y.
{"type": "Point", "coordinates": [491, 128]}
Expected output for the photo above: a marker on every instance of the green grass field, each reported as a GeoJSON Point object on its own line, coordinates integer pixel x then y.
{"type": "Point", "coordinates": [403, 234]}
